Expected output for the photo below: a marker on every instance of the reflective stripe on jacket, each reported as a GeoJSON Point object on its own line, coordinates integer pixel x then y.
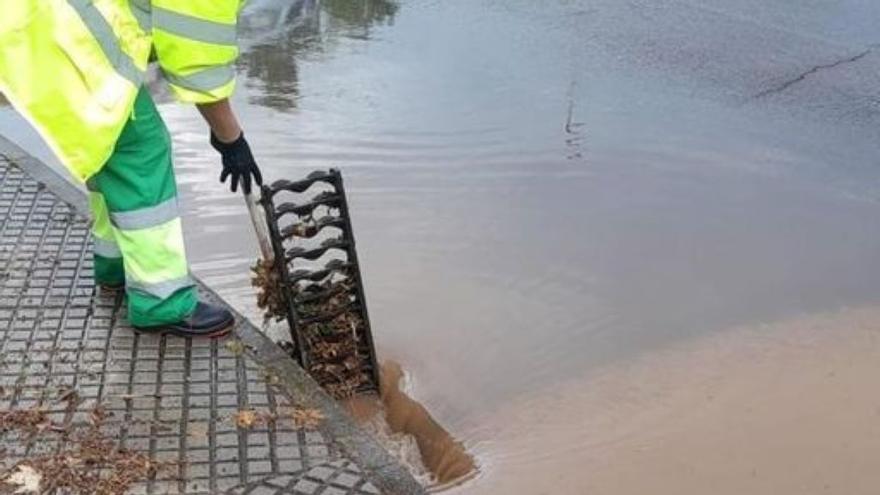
{"type": "Point", "coordinates": [196, 45]}
{"type": "Point", "coordinates": [72, 68]}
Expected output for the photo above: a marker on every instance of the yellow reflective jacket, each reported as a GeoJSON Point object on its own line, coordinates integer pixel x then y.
{"type": "Point", "coordinates": [73, 67]}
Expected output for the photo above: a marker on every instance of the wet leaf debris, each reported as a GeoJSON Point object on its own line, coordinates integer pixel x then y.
{"type": "Point", "coordinates": [86, 458]}
{"type": "Point", "coordinates": [270, 293]}
{"type": "Point", "coordinates": [315, 283]}
{"type": "Point", "coordinates": [301, 418]}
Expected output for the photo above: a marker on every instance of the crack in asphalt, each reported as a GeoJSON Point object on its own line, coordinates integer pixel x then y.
{"type": "Point", "coordinates": [791, 82]}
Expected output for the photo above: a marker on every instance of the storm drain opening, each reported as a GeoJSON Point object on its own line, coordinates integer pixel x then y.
{"type": "Point", "coordinates": [311, 278]}
{"type": "Point", "coordinates": [315, 283]}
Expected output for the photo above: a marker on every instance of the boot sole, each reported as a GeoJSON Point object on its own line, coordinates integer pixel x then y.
{"type": "Point", "coordinates": [212, 333]}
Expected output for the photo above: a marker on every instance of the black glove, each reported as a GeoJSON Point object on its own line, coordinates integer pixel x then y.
{"type": "Point", "coordinates": [238, 162]}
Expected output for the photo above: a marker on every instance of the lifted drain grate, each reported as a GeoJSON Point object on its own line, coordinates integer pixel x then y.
{"type": "Point", "coordinates": [323, 291]}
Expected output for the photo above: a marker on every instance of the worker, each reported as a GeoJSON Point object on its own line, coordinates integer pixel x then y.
{"type": "Point", "coordinates": [75, 70]}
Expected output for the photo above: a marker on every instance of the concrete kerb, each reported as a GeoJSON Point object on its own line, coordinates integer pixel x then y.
{"type": "Point", "coordinates": [43, 173]}
{"type": "Point", "coordinates": [289, 378]}
{"type": "Point", "coordinates": [381, 468]}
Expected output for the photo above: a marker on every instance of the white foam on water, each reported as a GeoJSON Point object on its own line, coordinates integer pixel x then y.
{"type": "Point", "coordinates": [402, 446]}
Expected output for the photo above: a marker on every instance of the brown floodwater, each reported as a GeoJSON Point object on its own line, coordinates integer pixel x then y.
{"type": "Point", "coordinates": [781, 408]}
{"type": "Point", "coordinates": [610, 244]}
{"type": "Point", "coordinates": [408, 429]}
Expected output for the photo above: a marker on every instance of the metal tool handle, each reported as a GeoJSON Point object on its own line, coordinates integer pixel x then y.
{"type": "Point", "coordinates": [258, 219]}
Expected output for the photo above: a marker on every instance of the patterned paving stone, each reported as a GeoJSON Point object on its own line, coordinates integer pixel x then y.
{"type": "Point", "coordinates": [170, 398]}
{"type": "Point", "coordinates": [338, 477]}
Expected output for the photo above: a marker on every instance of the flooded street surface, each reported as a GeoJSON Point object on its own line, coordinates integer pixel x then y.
{"type": "Point", "coordinates": [608, 242]}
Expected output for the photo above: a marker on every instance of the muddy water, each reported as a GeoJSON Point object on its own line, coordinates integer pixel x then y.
{"type": "Point", "coordinates": [410, 432]}
{"type": "Point", "coordinates": [781, 408]}
{"type": "Point", "coordinates": [604, 262]}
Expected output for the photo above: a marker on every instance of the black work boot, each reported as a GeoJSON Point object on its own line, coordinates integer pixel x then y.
{"type": "Point", "coordinates": [207, 320]}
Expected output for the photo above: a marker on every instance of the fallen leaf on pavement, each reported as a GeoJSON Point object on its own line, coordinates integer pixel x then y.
{"type": "Point", "coordinates": [30, 421]}
{"type": "Point", "coordinates": [307, 418]}
{"type": "Point", "coordinates": [26, 478]}
{"type": "Point", "coordinates": [98, 415]}
{"type": "Point", "coordinates": [245, 418]}
{"type": "Point", "coordinates": [269, 377]}
{"type": "Point", "coordinates": [235, 347]}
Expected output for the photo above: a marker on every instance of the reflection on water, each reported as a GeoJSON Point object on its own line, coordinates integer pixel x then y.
{"type": "Point", "coordinates": [279, 33]}
{"type": "Point", "coordinates": [359, 17]}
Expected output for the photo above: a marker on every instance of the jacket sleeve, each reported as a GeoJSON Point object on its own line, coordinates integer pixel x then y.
{"type": "Point", "coordinates": [196, 46]}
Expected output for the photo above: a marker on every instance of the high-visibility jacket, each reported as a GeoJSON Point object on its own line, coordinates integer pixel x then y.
{"type": "Point", "coordinates": [72, 68]}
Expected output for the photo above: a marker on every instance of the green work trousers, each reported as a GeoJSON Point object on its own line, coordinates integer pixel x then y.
{"type": "Point", "coordinates": [136, 226]}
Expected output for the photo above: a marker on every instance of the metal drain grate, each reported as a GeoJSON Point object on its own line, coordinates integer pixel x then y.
{"type": "Point", "coordinates": [317, 264]}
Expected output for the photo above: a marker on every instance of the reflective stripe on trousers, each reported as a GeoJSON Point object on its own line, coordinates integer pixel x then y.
{"type": "Point", "coordinates": [134, 203]}
{"type": "Point", "coordinates": [146, 271]}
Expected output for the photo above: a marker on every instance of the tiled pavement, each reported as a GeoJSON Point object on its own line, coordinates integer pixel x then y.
{"type": "Point", "coordinates": [171, 398]}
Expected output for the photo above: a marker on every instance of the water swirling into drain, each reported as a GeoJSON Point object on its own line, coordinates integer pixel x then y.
{"type": "Point", "coordinates": [411, 434]}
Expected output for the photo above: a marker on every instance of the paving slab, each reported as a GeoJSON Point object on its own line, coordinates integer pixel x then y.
{"type": "Point", "coordinates": [171, 399]}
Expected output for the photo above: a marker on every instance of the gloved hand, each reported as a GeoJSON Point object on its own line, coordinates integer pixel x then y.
{"type": "Point", "coordinates": [238, 162]}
